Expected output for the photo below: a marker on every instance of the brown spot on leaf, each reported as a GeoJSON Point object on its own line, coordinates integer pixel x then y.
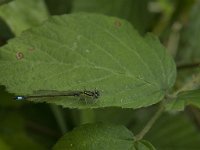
{"type": "Point", "coordinates": [31, 49]}
{"type": "Point", "coordinates": [19, 55]}
{"type": "Point", "coordinates": [118, 23]}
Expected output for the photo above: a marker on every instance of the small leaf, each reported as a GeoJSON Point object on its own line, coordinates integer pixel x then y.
{"type": "Point", "coordinates": [100, 136]}
{"type": "Point", "coordinates": [183, 99]}
{"type": "Point", "coordinates": [191, 97]}
{"type": "Point", "coordinates": [88, 51]}
{"type": "Point", "coordinates": [143, 145]}
{"type": "Point", "coordinates": [23, 14]}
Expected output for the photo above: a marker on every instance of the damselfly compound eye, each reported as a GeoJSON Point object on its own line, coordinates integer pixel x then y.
{"type": "Point", "coordinates": [94, 94]}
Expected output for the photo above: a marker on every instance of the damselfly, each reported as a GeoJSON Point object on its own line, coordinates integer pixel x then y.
{"type": "Point", "coordinates": [53, 94]}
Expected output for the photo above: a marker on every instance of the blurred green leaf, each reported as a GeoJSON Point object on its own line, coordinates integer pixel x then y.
{"type": "Point", "coordinates": [5, 32]}
{"type": "Point", "coordinates": [4, 1]}
{"type": "Point", "coordinates": [189, 48]}
{"type": "Point", "coordinates": [143, 145]}
{"type": "Point", "coordinates": [135, 11]}
{"type": "Point", "coordinates": [174, 132]}
{"type": "Point", "coordinates": [12, 131]}
{"type": "Point", "coordinates": [6, 99]}
{"type": "Point", "coordinates": [183, 99]}
{"type": "Point", "coordinates": [3, 145]}
{"type": "Point", "coordinates": [189, 76]}
{"type": "Point", "coordinates": [22, 14]}
{"type": "Point", "coordinates": [114, 115]}
{"type": "Point", "coordinates": [96, 52]}
{"type": "Point", "coordinates": [182, 9]}
{"type": "Point", "coordinates": [107, 115]}
{"type": "Point", "coordinates": [100, 136]}
{"type": "Point", "coordinates": [58, 7]}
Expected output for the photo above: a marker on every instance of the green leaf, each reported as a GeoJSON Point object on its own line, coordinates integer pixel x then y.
{"type": "Point", "coordinates": [189, 77]}
{"type": "Point", "coordinates": [100, 136]}
{"type": "Point", "coordinates": [12, 131]}
{"type": "Point", "coordinates": [174, 132]}
{"type": "Point", "coordinates": [41, 123]}
{"type": "Point", "coordinates": [143, 145]}
{"type": "Point", "coordinates": [183, 99]}
{"type": "Point", "coordinates": [59, 6]}
{"type": "Point", "coordinates": [127, 9]}
{"type": "Point", "coordinates": [5, 32]}
{"type": "Point", "coordinates": [88, 51]}
{"type": "Point", "coordinates": [114, 115]}
{"type": "Point", "coordinates": [6, 99]}
{"type": "Point", "coordinates": [22, 14]}
{"type": "Point", "coordinates": [191, 97]}
{"type": "Point", "coordinates": [189, 48]}
{"type": "Point", "coordinates": [4, 1]}
{"type": "Point", "coordinates": [3, 145]}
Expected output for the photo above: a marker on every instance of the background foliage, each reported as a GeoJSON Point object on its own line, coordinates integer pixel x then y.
{"type": "Point", "coordinates": [131, 67]}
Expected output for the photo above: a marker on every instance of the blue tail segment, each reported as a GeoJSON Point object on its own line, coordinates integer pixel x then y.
{"type": "Point", "coordinates": [20, 98]}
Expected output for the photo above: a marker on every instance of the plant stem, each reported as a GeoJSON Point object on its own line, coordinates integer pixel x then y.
{"type": "Point", "coordinates": [150, 123]}
{"type": "Point", "coordinates": [59, 118]}
{"type": "Point", "coordinates": [87, 116]}
{"type": "Point", "coordinates": [188, 66]}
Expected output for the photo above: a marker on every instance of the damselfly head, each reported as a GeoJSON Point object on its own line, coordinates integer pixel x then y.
{"type": "Point", "coordinates": [94, 94]}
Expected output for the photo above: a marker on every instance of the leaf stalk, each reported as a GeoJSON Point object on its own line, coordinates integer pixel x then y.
{"type": "Point", "coordinates": [150, 123]}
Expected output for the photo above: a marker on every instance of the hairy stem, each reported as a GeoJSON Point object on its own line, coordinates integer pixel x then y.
{"type": "Point", "coordinates": [150, 123]}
